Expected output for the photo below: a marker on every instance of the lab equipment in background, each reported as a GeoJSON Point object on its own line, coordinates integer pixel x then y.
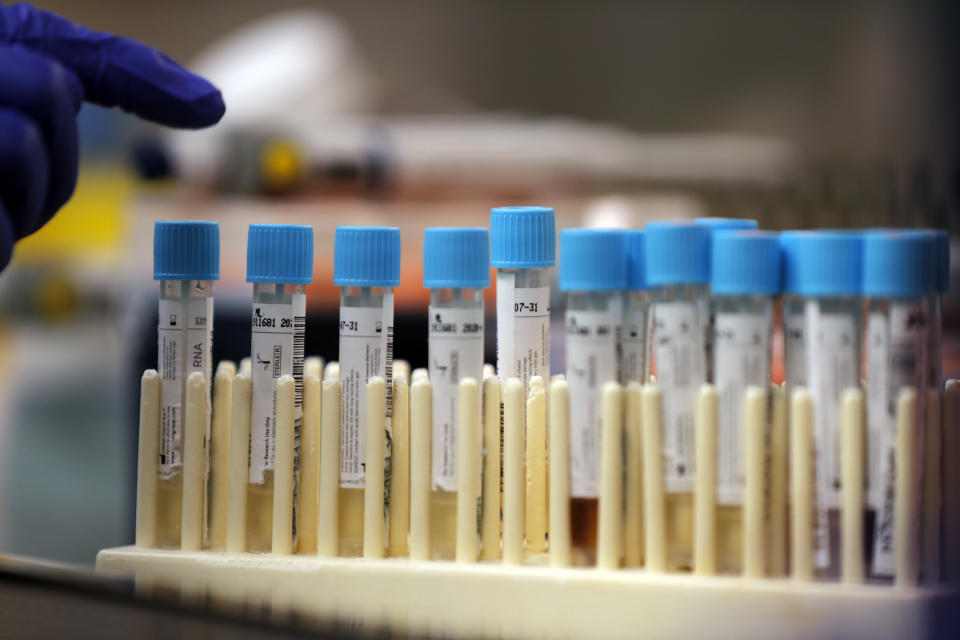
{"type": "Point", "coordinates": [456, 269]}
{"type": "Point", "coordinates": [593, 273]}
{"type": "Point", "coordinates": [899, 279]}
{"type": "Point", "coordinates": [186, 261]}
{"type": "Point", "coordinates": [637, 323]}
{"type": "Point", "coordinates": [280, 265]}
{"type": "Point", "coordinates": [744, 279]}
{"type": "Point", "coordinates": [828, 267]}
{"type": "Point", "coordinates": [678, 271]}
{"type": "Point", "coordinates": [717, 225]}
{"type": "Point", "coordinates": [366, 268]}
{"type": "Point", "coordinates": [522, 249]}
{"type": "Point", "coordinates": [794, 340]}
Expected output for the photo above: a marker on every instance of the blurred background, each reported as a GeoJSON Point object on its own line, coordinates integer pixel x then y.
{"type": "Point", "coordinates": [421, 113]}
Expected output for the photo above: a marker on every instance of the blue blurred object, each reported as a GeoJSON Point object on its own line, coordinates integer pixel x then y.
{"type": "Point", "coordinates": [677, 253]}
{"type": "Point", "coordinates": [745, 263]}
{"type": "Point", "coordinates": [366, 257]}
{"type": "Point", "coordinates": [593, 260]}
{"type": "Point", "coordinates": [456, 257]}
{"type": "Point", "coordinates": [280, 253]}
{"type": "Point", "coordinates": [522, 237]}
{"type": "Point", "coordinates": [48, 67]}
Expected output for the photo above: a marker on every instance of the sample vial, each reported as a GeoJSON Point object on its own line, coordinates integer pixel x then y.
{"type": "Point", "coordinates": [186, 261]}
{"type": "Point", "coordinates": [828, 267]}
{"type": "Point", "coordinates": [456, 269]}
{"type": "Point", "coordinates": [522, 249]}
{"type": "Point", "coordinates": [744, 278]}
{"type": "Point", "coordinates": [942, 258]}
{"type": "Point", "coordinates": [280, 265]}
{"type": "Point", "coordinates": [678, 270]}
{"type": "Point", "coordinates": [593, 273]}
{"type": "Point", "coordinates": [794, 344]}
{"type": "Point", "coordinates": [366, 267]}
{"type": "Point", "coordinates": [717, 225]}
{"type": "Point", "coordinates": [899, 279]}
{"type": "Point", "coordinates": [637, 325]}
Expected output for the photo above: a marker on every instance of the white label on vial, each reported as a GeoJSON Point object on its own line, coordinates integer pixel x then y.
{"type": "Point", "coordinates": [795, 348]}
{"type": "Point", "coordinates": [366, 351]}
{"type": "Point", "coordinates": [897, 358]}
{"type": "Point", "coordinates": [742, 351]}
{"type": "Point", "coordinates": [523, 330]}
{"type": "Point", "coordinates": [678, 344]}
{"type": "Point", "coordinates": [277, 332]}
{"type": "Point", "coordinates": [456, 353]}
{"type": "Point", "coordinates": [171, 336]}
{"type": "Point", "coordinates": [832, 367]}
{"type": "Point", "coordinates": [635, 346]}
{"type": "Point", "coordinates": [592, 338]}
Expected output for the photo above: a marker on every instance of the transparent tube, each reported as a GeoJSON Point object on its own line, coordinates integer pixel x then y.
{"type": "Point", "coordinates": [366, 350]}
{"type": "Point", "coordinates": [743, 327]}
{"type": "Point", "coordinates": [523, 324]}
{"type": "Point", "coordinates": [635, 342]}
{"type": "Point", "coordinates": [832, 327]}
{"type": "Point", "coordinates": [455, 352]}
{"type": "Point", "coordinates": [277, 335]}
{"type": "Point", "coordinates": [794, 344]}
{"type": "Point", "coordinates": [898, 338]}
{"type": "Point", "coordinates": [593, 332]}
{"type": "Point", "coordinates": [185, 332]}
{"type": "Point", "coordinates": [678, 347]}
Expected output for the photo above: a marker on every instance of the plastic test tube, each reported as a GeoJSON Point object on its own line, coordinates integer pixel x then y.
{"type": "Point", "coordinates": [935, 359]}
{"type": "Point", "coordinates": [637, 324]}
{"type": "Point", "coordinates": [827, 269]}
{"type": "Point", "coordinates": [456, 269]}
{"type": "Point", "coordinates": [744, 278]}
{"type": "Point", "coordinates": [522, 249]}
{"type": "Point", "coordinates": [593, 273]}
{"type": "Point", "coordinates": [717, 225]}
{"type": "Point", "coordinates": [678, 270]}
{"type": "Point", "coordinates": [366, 268]}
{"type": "Point", "coordinates": [186, 261]}
{"type": "Point", "coordinates": [280, 265]}
{"type": "Point", "coordinates": [794, 343]}
{"type": "Point", "coordinates": [899, 279]}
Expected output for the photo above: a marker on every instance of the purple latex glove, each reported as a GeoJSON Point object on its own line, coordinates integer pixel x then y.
{"type": "Point", "coordinates": [48, 67]}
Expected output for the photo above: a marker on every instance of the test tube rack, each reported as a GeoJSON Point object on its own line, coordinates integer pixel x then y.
{"type": "Point", "coordinates": [507, 580]}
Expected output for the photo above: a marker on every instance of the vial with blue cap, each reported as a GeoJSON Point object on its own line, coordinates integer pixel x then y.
{"type": "Point", "coordinates": [717, 225]}
{"type": "Point", "coordinates": [186, 261]}
{"type": "Point", "coordinates": [523, 249]}
{"type": "Point", "coordinates": [942, 258]}
{"type": "Point", "coordinates": [899, 278]}
{"type": "Point", "coordinates": [826, 270]}
{"type": "Point", "coordinates": [678, 271]}
{"type": "Point", "coordinates": [366, 267]}
{"type": "Point", "coordinates": [637, 325]}
{"type": "Point", "coordinates": [593, 274]}
{"type": "Point", "coordinates": [744, 280]}
{"type": "Point", "coordinates": [456, 270]}
{"type": "Point", "coordinates": [280, 266]}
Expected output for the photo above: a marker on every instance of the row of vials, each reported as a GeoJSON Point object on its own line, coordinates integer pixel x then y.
{"type": "Point", "coordinates": [698, 299]}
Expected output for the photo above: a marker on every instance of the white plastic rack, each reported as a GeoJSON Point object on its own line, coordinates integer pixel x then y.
{"type": "Point", "coordinates": [514, 578]}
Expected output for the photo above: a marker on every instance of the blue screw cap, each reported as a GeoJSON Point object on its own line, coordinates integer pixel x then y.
{"type": "Point", "coordinates": [456, 257]}
{"type": "Point", "coordinates": [943, 261]}
{"type": "Point", "coordinates": [593, 260]}
{"type": "Point", "coordinates": [746, 263]}
{"type": "Point", "coordinates": [822, 263]}
{"type": "Point", "coordinates": [188, 250]}
{"type": "Point", "coordinates": [727, 224]}
{"type": "Point", "coordinates": [900, 264]}
{"type": "Point", "coordinates": [677, 253]}
{"type": "Point", "coordinates": [280, 253]}
{"type": "Point", "coordinates": [522, 238]}
{"type": "Point", "coordinates": [637, 260]}
{"type": "Point", "coordinates": [366, 257]}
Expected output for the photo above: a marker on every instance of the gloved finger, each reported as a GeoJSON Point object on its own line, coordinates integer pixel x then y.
{"type": "Point", "coordinates": [23, 171]}
{"type": "Point", "coordinates": [6, 239]}
{"type": "Point", "coordinates": [39, 87]}
{"type": "Point", "coordinates": [117, 71]}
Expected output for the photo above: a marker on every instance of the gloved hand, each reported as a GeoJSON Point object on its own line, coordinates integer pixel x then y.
{"type": "Point", "coordinates": [48, 67]}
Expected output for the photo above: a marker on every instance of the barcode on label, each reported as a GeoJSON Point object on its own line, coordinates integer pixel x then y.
{"type": "Point", "coordinates": [299, 330]}
{"type": "Point", "coordinates": [388, 372]}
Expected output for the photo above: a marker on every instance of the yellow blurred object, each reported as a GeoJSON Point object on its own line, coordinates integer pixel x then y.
{"type": "Point", "coordinates": [56, 298]}
{"type": "Point", "coordinates": [281, 165]}
{"type": "Point", "coordinates": [92, 225]}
